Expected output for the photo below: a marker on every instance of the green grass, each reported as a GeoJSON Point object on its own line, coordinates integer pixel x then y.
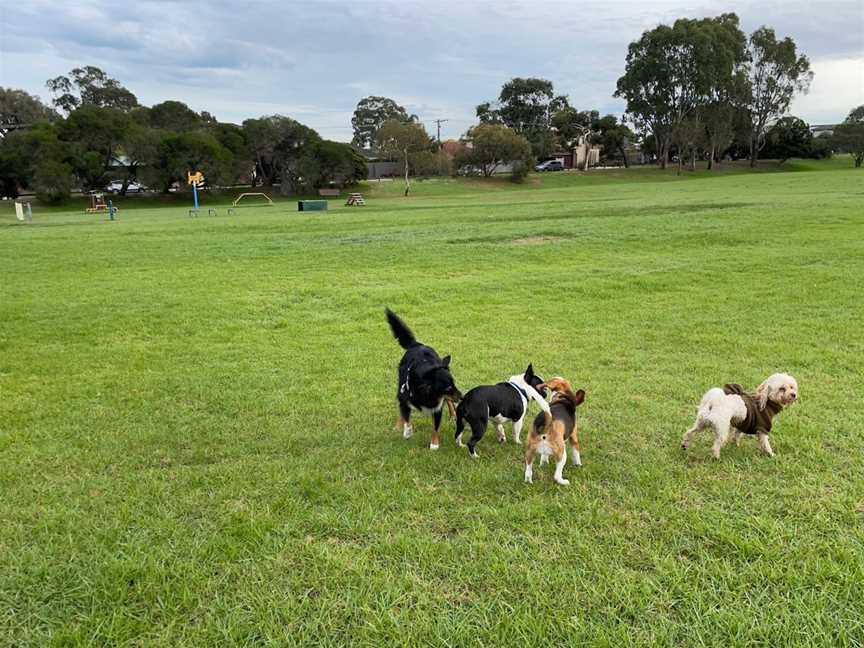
{"type": "Point", "coordinates": [196, 418]}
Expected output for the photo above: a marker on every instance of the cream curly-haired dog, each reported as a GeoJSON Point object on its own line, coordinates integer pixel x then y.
{"type": "Point", "coordinates": [732, 407]}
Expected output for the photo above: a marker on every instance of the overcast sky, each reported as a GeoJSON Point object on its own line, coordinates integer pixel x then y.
{"type": "Point", "coordinates": [314, 60]}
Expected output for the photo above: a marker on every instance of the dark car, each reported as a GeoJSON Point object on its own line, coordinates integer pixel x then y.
{"type": "Point", "coordinates": [550, 165]}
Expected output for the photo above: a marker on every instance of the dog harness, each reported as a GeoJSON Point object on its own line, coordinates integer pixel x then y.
{"type": "Point", "coordinates": [519, 389]}
{"type": "Point", "coordinates": [757, 421]}
{"type": "Point", "coordinates": [405, 388]}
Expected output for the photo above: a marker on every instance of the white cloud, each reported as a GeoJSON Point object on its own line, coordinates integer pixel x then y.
{"type": "Point", "coordinates": [838, 86]}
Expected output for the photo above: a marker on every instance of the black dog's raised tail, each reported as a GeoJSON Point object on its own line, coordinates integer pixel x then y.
{"type": "Point", "coordinates": [400, 330]}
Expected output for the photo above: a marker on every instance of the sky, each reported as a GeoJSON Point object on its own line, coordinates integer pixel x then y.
{"type": "Point", "coordinates": [314, 60]}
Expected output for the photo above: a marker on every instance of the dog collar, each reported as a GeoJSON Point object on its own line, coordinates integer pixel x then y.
{"type": "Point", "coordinates": [518, 388]}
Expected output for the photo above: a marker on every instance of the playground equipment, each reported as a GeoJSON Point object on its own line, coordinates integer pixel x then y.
{"type": "Point", "coordinates": [355, 199]}
{"type": "Point", "coordinates": [98, 204]}
{"type": "Point", "coordinates": [244, 195]}
{"type": "Point", "coordinates": [197, 181]}
{"type": "Point", "coordinates": [311, 205]}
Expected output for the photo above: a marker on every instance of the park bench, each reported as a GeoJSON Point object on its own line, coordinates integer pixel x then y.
{"type": "Point", "coordinates": [329, 192]}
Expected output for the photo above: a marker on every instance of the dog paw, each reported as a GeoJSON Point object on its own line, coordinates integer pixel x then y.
{"type": "Point", "coordinates": [407, 431]}
{"type": "Point", "coordinates": [433, 446]}
{"type": "Point", "coordinates": [563, 482]}
{"type": "Point", "coordinates": [474, 455]}
{"type": "Point", "coordinates": [529, 479]}
{"type": "Point", "coordinates": [459, 443]}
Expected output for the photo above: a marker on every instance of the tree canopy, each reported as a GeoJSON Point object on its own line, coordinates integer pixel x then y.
{"type": "Point", "coordinates": [405, 143]}
{"type": "Point", "coordinates": [526, 106]}
{"type": "Point", "coordinates": [672, 71]}
{"type": "Point", "coordinates": [371, 114]}
{"type": "Point", "coordinates": [89, 85]}
{"type": "Point", "coordinates": [849, 136]}
{"type": "Point", "coordinates": [488, 146]}
{"type": "Point", "coordinates": [19, 108]}
{"type": "Point", "coordinates": [776, 74]}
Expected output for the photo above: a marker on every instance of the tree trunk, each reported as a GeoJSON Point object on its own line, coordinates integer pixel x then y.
{"type": "Point", "coordinates": [693, 159]}
{"type": "Point", "coordinates": [754, 151]}
{"type": "Point", "coordinates": [624, 156]}
{"type": "Point", "coordinates": [407, 183]}
{"type": "Point", "coordinates": [711, 158]}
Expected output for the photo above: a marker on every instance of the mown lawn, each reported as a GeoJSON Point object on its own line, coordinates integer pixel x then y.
{"type": "Point", "coordinates": [196, 419]}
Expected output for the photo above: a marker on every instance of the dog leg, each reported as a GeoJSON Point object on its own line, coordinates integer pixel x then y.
{"type": "Point", "coordinates": [436, 423]}
{"type": "Point", "coordinates": [502, 438]}
{"type": "Point", "coordinates": [561, 456]}
{"type": "Point", "coordinates": [575, 456]}
{"type": "Point", "coordinates": [517, 430]}
{"type": "Point", "coordinates": [689, 434]}
{"type": "Point", "coordinates": [737, 436]}
{"type": "Point", "coordinates": [478, 429]}
{"type": "Point", "coordinates": [405, 419]}
{"type": "Point", "coordinates": [460, 426]}
{"type": "Point", "coordinates": [529, 463]}
{"type": "Point", "coordinates": [765, 445]}
{"type": "Point", "coordinates": [721, 438]}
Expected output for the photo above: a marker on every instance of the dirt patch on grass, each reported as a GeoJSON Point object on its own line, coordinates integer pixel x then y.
{"type": "Point", "coordinates": [536, 240]}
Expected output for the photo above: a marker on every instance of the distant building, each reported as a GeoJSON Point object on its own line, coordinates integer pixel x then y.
{"type": "Point", "coordinates": [822, 130]}
{"type": "Point", "coordinates": [376, 167]}
{"type": "Point", "coordinates": [575, 159]}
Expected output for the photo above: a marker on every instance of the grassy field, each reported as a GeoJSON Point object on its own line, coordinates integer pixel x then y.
{"type": "Point", "coordinates": [196, 418]}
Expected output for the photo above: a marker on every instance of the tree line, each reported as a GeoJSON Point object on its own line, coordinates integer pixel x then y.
{"type": "Point", "coordinates": [699, 89]}
{"type": "Point", "coordinates": [97, 131]}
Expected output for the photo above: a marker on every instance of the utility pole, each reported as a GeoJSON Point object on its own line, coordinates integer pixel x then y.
{"type": "Point", "coordinates": [439, 122]}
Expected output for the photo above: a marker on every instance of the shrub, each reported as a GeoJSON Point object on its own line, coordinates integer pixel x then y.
{"type": "Point", "coordinates": [53, 181]}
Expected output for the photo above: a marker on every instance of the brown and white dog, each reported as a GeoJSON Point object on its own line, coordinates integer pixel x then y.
{"type": "Point", "coordinates": [548, 430]}
{"type": "Point", "coordinates": [748, 413]}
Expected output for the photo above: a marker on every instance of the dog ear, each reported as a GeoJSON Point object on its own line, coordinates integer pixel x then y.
{"type": "Point", "coordinates": [578, 397]}
{"type": "Point", "coordinates": [445, 361]}
{"type": "Point", "coordinates": [529, 372]}
{"type": "Point", "coordinates": [763, 393]}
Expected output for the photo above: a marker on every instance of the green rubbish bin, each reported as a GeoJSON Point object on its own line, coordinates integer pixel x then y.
{"type": "Point", "coordinates": [311, 205]}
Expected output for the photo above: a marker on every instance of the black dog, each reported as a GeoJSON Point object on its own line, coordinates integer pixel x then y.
{"type": "Point", "coordinates": [424, 380]}
{"type": "Point", "coordinates": [506, 401]}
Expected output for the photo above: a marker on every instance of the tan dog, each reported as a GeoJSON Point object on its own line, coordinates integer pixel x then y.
{"type": "Point", "coordinates": [548, 431]}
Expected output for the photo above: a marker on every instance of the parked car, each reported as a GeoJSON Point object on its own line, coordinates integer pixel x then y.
{"type": "Point", "coordinates": [116, 186]}
{"type": "Point", "coordinates": [470, 170]}
{"type": "Point", "coordinates": [550, 165]}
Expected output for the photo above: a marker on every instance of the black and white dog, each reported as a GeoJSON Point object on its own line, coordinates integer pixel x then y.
{"type": "Point", "coordinates": [424, 380]}
{"type": "Point", "coordinates": [506, 401]}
